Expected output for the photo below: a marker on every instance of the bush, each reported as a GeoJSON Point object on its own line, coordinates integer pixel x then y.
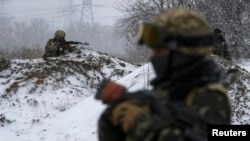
{"type": "Point", "coordinates": [22, 53]}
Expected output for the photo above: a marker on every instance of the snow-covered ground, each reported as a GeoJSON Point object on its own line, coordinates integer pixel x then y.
{"type": "Point", "coordinates": [244, 63]}
{"type": "Point", "coordinates": [61, 110]}
{"type": "Point", "coordinates": [48, 100]}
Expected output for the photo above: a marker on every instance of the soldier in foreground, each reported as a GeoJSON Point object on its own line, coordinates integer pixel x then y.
{"type": "Point", "coordinates": [58, 45]}
{"type": "Point", "coordinates": [188, 91]}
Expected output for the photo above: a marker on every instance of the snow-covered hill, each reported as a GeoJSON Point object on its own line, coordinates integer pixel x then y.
{"type": "Point", "coordinates": [35, 92]}
{"type": "Point", "coordinates": [238, 77]}
{"type": "Point", "coordinates": [49, 100]}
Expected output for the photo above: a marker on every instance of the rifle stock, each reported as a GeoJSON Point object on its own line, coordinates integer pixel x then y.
{"type": "Point", "coordinates": [75, 42]}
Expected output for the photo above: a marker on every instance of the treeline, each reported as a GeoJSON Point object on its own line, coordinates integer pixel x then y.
{"type": "Point", "coordinates": [20, 38]}
{"type": "Point", "coordinates": [231, 16]}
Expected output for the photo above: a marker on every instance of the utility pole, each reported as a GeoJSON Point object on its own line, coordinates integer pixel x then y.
{"type": "Point", "coordinates": [87, 13]}
{"type": "Point", "coordinates": [2, 4]}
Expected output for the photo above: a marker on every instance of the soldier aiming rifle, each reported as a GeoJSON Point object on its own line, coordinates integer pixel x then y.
{"type": "Point", "coordinates": [59, 46]}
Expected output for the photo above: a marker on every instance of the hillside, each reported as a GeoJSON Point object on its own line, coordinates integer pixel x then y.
{"type": "Point", "coordinates": [34, 91]}
{"type": "Point", "coordinates": [48, 100]}
{"type": "Point", "coordinates": [239, 90]}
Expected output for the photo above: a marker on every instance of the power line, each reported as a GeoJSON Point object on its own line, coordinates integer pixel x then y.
{"type": "Point", "coordinates": [34, 10]}
{"type": "Point", "coordinates": [71, 11]}
{"type": "Point", "coordinates": [56, 8]}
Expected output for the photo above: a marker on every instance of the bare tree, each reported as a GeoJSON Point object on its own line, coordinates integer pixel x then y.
{"type": "Point", "coordinates": [231, 16]}
{"type": "Point", "coordinates": [136, 12]}
{"type": "Point", "coordinates": [6, 28]}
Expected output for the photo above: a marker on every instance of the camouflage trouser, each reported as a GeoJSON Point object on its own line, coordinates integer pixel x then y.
{"type": "Point", "coordinates": [221, 50]}
{"type": "Point", "coordinates": [106, 131]}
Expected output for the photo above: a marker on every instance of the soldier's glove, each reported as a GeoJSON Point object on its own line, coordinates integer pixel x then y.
{"type": "Point", "coordinates": [126, 113]}
{"type": "Point", "coordinates": [110, 92]}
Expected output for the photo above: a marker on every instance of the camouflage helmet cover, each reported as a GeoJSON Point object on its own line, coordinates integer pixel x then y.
{"type": "Point", "coordinates": [60, 34]}
{"type": "Point", "coordinates": [187, 26]}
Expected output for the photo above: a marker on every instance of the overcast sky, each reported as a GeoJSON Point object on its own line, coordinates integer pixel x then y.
{"type": "Point", "coordinates": [55, 11]}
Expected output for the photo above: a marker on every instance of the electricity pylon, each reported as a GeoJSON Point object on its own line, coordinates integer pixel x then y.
{"type": "Point", "coordinates": [87, 13]}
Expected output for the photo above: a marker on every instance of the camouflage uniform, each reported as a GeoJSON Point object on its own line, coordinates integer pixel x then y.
{"type": "Point", "coordinates": [54, 47]}
{"type": "Point", "coordinates": [51, 48]}
{"type": "Point", "coordinates": [186, 75]}
{"type": "Point", "coordinates": [199, 88]}
{"type": "Point", "coordinates": [221, 48]}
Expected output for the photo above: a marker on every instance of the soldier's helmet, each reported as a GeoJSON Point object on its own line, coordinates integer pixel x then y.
{"type": "Point", "coordinates": [178, 29]}
{"type": "Point", "coordinates": [60, 34]}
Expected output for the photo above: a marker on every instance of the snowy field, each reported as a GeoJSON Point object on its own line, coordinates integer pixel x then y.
{"type": "Point", "coordinates": [64, 120]}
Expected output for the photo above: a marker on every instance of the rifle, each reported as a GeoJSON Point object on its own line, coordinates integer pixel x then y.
{"type": "Point", "coordinates": [65, 45]}
{"type": "Point", "coordinates": [74, 42]}
{"type": "Point", "coordinates": [175, 113]}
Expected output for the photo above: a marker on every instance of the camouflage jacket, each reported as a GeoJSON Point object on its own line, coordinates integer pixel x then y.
{"type": "Point", "coordinates": [53, 46]}
{"type": "Point", "coordinates": [221, 48]}
{"type": "Point", "coordinates": [199, 87]}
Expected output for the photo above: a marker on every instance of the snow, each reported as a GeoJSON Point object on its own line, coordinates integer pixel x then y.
{"type": "Point", "coordinates": [52, 112]}
{"type": "Point", "coordinates": [51, 115]}
{"type": "Point", "coordinates": [61, 111]}
{"type": "Point", "coordinates": [244, 63]}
